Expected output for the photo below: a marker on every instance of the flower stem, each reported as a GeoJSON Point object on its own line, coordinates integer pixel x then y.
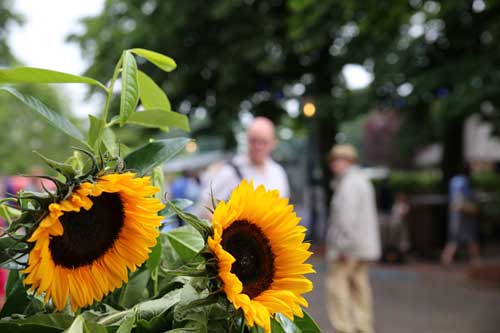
{"type": "Point", "coordinates": [109, 96]}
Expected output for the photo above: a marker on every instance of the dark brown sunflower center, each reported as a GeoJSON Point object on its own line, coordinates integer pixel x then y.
{"type": "Point", "coordinates": [254, 265]}
{"type": "Point", "coordinates": [88, 234]}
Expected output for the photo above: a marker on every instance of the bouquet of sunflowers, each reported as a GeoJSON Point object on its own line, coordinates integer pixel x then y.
{"type": "Point", "coordinates": [88, 256]}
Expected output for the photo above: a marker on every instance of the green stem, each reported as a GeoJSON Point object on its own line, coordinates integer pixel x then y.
{"type": "Point", "coordinates": [155, 280]}
{"type": "Point", "coordinates": [109, 95]}
{"type": "Point", "coordinates": [121, 298]}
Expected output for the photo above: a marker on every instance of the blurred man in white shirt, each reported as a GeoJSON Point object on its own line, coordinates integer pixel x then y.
{"type": "Point", "coordinates": [256, 165]}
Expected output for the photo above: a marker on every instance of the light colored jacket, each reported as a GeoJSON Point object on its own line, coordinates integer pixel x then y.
{"type": "Point", "coordinates": [354, 229]}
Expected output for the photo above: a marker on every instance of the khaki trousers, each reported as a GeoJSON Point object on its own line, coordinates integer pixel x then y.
{"type": "Point", "coordinates": [350, 297]}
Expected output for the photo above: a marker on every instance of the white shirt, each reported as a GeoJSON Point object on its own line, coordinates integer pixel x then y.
{"type": "Point", "coordinates": [354, 226]}
{"type": "Point", "coordinates": [222, 179]}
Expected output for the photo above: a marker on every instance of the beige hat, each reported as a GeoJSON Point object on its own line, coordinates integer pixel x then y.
{"type": "Point", "coordinates": [344, 151]}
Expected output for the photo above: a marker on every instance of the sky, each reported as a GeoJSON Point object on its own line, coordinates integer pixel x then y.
{"type": "Point", "coordinates": [40, 42]}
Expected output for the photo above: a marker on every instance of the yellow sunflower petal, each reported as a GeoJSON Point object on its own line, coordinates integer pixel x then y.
{"type": "Point", "coordinates": [263, 225]}
{"type": "Point", "coordinates": [82, 273]}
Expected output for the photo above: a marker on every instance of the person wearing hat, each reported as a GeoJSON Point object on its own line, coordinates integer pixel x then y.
{"type": "Point", "coordinates": [353, 241]}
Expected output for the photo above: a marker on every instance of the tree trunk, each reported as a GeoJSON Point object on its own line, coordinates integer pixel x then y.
{"type": "Point", "coordinates": [453, 160]}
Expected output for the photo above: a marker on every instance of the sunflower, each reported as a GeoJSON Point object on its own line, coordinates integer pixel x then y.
{"type": "Point", "coordinates": [260, 254]}
{"type": "Point", "coordinates": [85, 253]}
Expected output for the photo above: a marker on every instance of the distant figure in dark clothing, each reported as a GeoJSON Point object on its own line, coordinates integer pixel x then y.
{"type": "Point", "coordinates": [462, 219]}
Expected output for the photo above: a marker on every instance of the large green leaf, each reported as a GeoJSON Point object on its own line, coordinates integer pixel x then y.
{"type": "Point", "coordinates": [154, 257]}
{"type": "Point", "coordinates": [160, 119]}
{"type": "Point", "coordinates": [81, 325]}
{"type": "Point", "coordinates": [40, 75]}
{"type": "Point", "coordinates": [135, 289]}
{"type": "Point", "coordinates": [152, 96]}
{"type": "Point", "coordinates": [299, 325]}
{"type": "Point", "coordinates": [306, 324]}
{"type": "Point", "coordinates": [186, 241]}
{"type": "Point", "coordinates": [145, 310]}
{"type": "Point", "coordinates": [146, 157]}
{"type": "Point", "coordinates": [53, 118]}
{"type": "Point", "coordinates": [110, 142]}
{"type": "Point", "coordinates": [127, 325]}
{"type": "Point", "coordinates": [161, 61]}
{"type": "Point", "coordinates": [180, 203]}
{"type": "Point", "coordinates": [39, 323]}
{"type": "Point", "coordinates": [130, 87]}
{"type": "Point", "coordinates": [95, 127]}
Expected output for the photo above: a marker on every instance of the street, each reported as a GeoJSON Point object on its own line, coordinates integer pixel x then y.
{"type": "Point", "coordinates": [418, 298]}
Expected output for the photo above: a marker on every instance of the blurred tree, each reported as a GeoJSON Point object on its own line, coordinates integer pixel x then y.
{"type": "Point", "coordinates": [252, 56]}
{"type": "Point", "coordinates": [7, 18]}
{"type": "Point", "coordinates": [435, 60]}
{"type": "Point", "coordinates": [22, 132]}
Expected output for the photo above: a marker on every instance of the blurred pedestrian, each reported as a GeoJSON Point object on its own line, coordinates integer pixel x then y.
{"type": "Point", "coordinates": [256, 165]}
{"type": "Point", "coordinates": [394, 231]}
{"type": "Point", "coordinates": [462, 219]}
{"type": "Point", "coordinates": [353, 242]}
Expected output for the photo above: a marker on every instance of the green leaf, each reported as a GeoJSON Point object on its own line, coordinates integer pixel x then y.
{"type": "Point", "coordinates": [65, 169]}
{"type": "Point", "coordinates": [181, 204]}
{"type": "Point", "coordinates": [39, 323]}
{"type": "Point", "coordinates": [146, 157]}
{"type": "Point", "coordinates": [145, 310]}
{"type": "Point", "coordinates": [127, 325]}
{"type": "Point", "coordinates": [306, 324]}
{"type": "Point", "coordinates": [8, 213]}
{"type": "Point", "coordinates": [158, 180]}
{"type": "Point", "coordinates": [40, 75]}
{"type": "Point", "coordinates": [298, 325]}
{"type": "Point", "coordinates": [155, 255]}
{"type": "Point", "coordinates": [130, 87]}
{"type": "Point", "coordinates": [276, 327]}
{"type": "Point", "coordinates": [135, 289]}
{"type": "Point", "coordinates": [80, 325]}
{"type": "Point", "coordinates": [160, 119]}
{"type": "Point", "coordinates": [185, 241]}
{"type": "Point", "coordinates": [77, 326]}
{"type": "Point", "coordinates": [110, 142]}
{"type": "Point", "coordinates": [152, 96]}
{"type": "Point", "coordinates": [16, 297]}
{"type": "Point", "coordinates": [52, 117]}
{"type": "Point", "coordinates": [95, 126]}
{"type": "Point", "coordinates": [161, 61]}
{"type": "Point", "coordinates": [5, 243]}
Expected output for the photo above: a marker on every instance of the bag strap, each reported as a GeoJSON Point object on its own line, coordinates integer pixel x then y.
{"type": "Point", "coordinates": [236, 168]}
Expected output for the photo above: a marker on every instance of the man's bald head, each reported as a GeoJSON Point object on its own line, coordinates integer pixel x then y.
{"type": "Point", "coordinates": [261, 140]}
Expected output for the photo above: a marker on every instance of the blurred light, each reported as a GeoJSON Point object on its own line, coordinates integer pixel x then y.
{"type": "Point", "coordinates": [200, 113]}
{"type": "Point", "coordinates": [298, 89]}
{"type": "Point", "coordinates": [405, 89]}
{"type": "Point", "coordinates": [191, 147]}
{"type": "Point", "coordinates": [185, 107]}
{"type": "Point", "coordinates": [356, 76]}
{"type": "Point", "coordinates": [478, 6]}
{"type": "Point", "coordinates": [246, 118]}
{"type": "Point", "coordinates": [432, 7]}
{"type": "Point", "coordinates": [309, 109]}
{"type": "Point", "coordinates": [286, 133]}
{"type": "Point", "coordinates": [416, 31]}
{"type": "Point", "coordinates": [292, 107]}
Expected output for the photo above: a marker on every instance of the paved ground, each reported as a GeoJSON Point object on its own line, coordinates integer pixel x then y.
{"type": "Point", "coordinates": [421, 298]}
